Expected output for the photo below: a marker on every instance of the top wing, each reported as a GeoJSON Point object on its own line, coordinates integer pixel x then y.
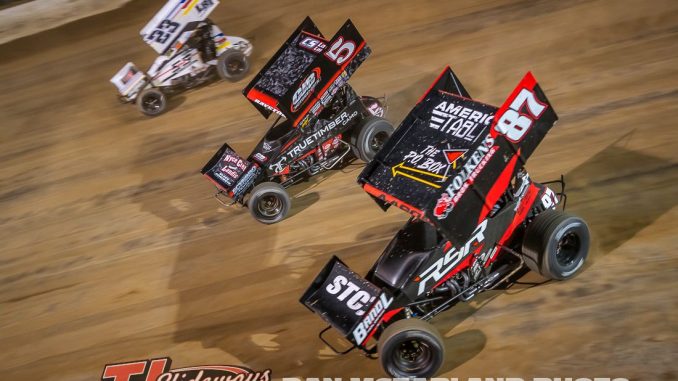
{"type": "Point", "coordinates": [304, 75]}
{"type": "Point", "coordinates": [452, 157]}
{"type": "Point", "coordinates": [286, 66]}
{"type": "Point", "coordinates": [175, 22]}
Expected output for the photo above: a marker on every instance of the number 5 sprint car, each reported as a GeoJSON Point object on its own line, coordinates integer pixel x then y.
{"type": "Point", "coordinates": [191, 49]}
{"type": "Point", "coordinates": [321, 121]}
{"type": "Point", "coordinates": [457, 166]}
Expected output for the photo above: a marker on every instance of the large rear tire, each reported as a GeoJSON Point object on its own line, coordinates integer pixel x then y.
{"type": "Point", "coordinates": [556, 244]}
{"type": "Point", "coordinates": [411, 348]}
{"type": "Point", "coordinates": [269, 203]}
{"type": "Point", "coordinates": [233, 65]}
{"type": "Point", "coordinates": [369, 136]}
{"type": "Point", "coordinates": [152, 102]}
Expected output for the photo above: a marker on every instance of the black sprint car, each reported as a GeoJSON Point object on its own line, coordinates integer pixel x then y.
{"type": "Point", "coordinates": [321, 121]}
{"type": "Point", "coordinates": [457, 166]}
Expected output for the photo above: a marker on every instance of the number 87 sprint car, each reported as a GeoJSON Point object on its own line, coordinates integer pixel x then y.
{"type": "Point", "coordinates": [456, 165]}
{"type": "Point", "coordinates": [190, 48]}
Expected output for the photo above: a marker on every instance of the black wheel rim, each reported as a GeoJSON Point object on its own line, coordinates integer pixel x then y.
{"type": "Point", "coordinates": [413, 356]}
{"type": "Point", "coordinates": [235, 66]}
{"type": "Point", "coordinates": [152, 103]}
{"type": "Point", "coordinates": [378, 141]}
{"type": "Point", "coordinates": [568, 249]}
{"type": "Point", "coordinates": [269, 206]}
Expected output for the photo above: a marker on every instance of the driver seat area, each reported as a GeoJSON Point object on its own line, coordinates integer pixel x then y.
{"type": "Point", "coordinates": [411, 246]}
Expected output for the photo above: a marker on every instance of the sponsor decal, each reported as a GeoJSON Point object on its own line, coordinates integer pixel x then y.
{"type": "Point", "coordinates": [312, 140]}
{"type": "Point", "coordinates": [159, 370]}
{"type": "Point", "coordinates": [390, 200]}
{"type": "Point", "coordinates": [481, 261]}
{"type": "Point", "coordinates": [350, 294]}
{"type": "Point", "coordinates": [204, 5]}
{"type": "Point", "coordinates": [230, 168]}
{"type": "Point", "coordinates": [452, 258]}
{"type": "Point", "coordinates": [372, 318]}
{"type": "Point", "coordinates": [268, 107]}
{"type": "Point", "coordinates": [430, 165]}
{"type": "Point", "coordinates": [326, 97]}
{"type": "Point", "coordinates": [460, 183]}
{"type": "Point", "coordinates": [312, 44]}
{"type": "Point", "coordinates": [245, 181]}
{"type": "Point", "coordinates": [458, 121]}
{"type": "Point", "coordinates": [261, 158]}
{"type": "Point", "coordinates": [305, 89]}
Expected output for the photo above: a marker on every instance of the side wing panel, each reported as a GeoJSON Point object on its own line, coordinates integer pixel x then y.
{"type": "Point", "coordinates": [286, 66]}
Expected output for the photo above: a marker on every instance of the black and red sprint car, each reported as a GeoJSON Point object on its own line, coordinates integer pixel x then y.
{"type": "Point", "coordinates": [321, 121]}
{"type": "Point", "coordinates": [457, 166]}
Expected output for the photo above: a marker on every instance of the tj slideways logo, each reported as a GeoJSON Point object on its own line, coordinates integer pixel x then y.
{"type": "Point", "coordinates": [159, 370]}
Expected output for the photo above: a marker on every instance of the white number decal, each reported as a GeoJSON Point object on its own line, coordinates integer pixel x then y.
{"type": "Point", "coordinates": [341, 51]}
{"type": "Point", "coordinates": [515, 125]}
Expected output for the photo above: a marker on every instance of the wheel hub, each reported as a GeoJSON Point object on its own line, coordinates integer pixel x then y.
{"type": "Point", "coordinates": [269, 205]}
{"type": "Point", "coordinates": [413, 355]}
{"type": "Point", "coordinates": [568, 248]}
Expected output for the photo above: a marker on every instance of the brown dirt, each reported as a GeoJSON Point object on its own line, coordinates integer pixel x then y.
{"type": "Point", "coordinates": [114, 250]}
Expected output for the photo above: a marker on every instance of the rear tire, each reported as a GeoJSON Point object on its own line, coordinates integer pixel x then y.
{"type": "Point", "coordinates": [152, 102]}
{"type": "Point", "coordinates": [411, 348]}
{"type": "Point", "coordinates": [269, 203]}
{"type": "Point", "coordinates": [556, 244]}
{"type": "Point", "coordinates": [233, 65]}
{"type": "Point", "coordinates": [369, 136]}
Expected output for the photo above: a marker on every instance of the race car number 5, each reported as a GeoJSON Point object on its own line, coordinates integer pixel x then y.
{"type": "Point", "coordinates": [513, 124]}
{"type": "Point", "coordinates": [341, 50]}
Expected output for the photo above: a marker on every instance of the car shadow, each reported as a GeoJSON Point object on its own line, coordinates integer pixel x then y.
{"type": "Point", "coordinates": [619, 192]}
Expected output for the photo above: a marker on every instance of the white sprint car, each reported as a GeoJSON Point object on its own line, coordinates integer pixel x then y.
{"type": "Point", "coordinates": [191, 49]}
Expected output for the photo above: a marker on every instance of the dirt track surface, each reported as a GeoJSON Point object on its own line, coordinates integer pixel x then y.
{"type": "Point", "coordinates": [113, 248]}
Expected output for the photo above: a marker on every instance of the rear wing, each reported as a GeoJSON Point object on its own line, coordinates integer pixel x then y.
{"type": "Point", "coordinates": [303, 76]}
{"type": "Point", "coordinates": [452, 158]}
{"type": "Point", "coordinates": [175, 22]}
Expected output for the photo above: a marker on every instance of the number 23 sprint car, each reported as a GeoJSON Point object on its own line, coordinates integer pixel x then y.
{"type": "Point", "coordinates": [190, 48]}
{"type": "Point", "coordinates": [456, 165]}
{"type": "Point", "coordinates": [320, 121]}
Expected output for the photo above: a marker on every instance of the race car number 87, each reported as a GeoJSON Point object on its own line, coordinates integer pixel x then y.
{"type": "Point", "coordinates": [513, 124]}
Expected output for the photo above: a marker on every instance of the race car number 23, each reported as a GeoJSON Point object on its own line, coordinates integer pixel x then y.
{"type": "Point", "coordinates": [163, 32]}
{"type": "Point", "coordinates": [513, 124]}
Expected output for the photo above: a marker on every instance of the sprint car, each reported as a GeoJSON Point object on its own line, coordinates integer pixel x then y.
{"type": "Point", "coordinates": [321, 121]}
{"type": "Point", "coordinates": [191, 50]}
{"type": "Point", "coordinates": [457, 167]}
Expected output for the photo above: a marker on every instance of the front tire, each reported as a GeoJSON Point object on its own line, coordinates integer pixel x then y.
{"type": "Point", "coordinates": [411, 348]}
{"type": "Point", "coordinates": [369, 136]}
{"type": "Point", "coordinates": [233, 65]}
{"type": "Point", "coordinates": [152, 102]}
{"type": "Point", "coordinates": [269, 203]}
{"type": "Point", "coordinates": [556, 244]}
